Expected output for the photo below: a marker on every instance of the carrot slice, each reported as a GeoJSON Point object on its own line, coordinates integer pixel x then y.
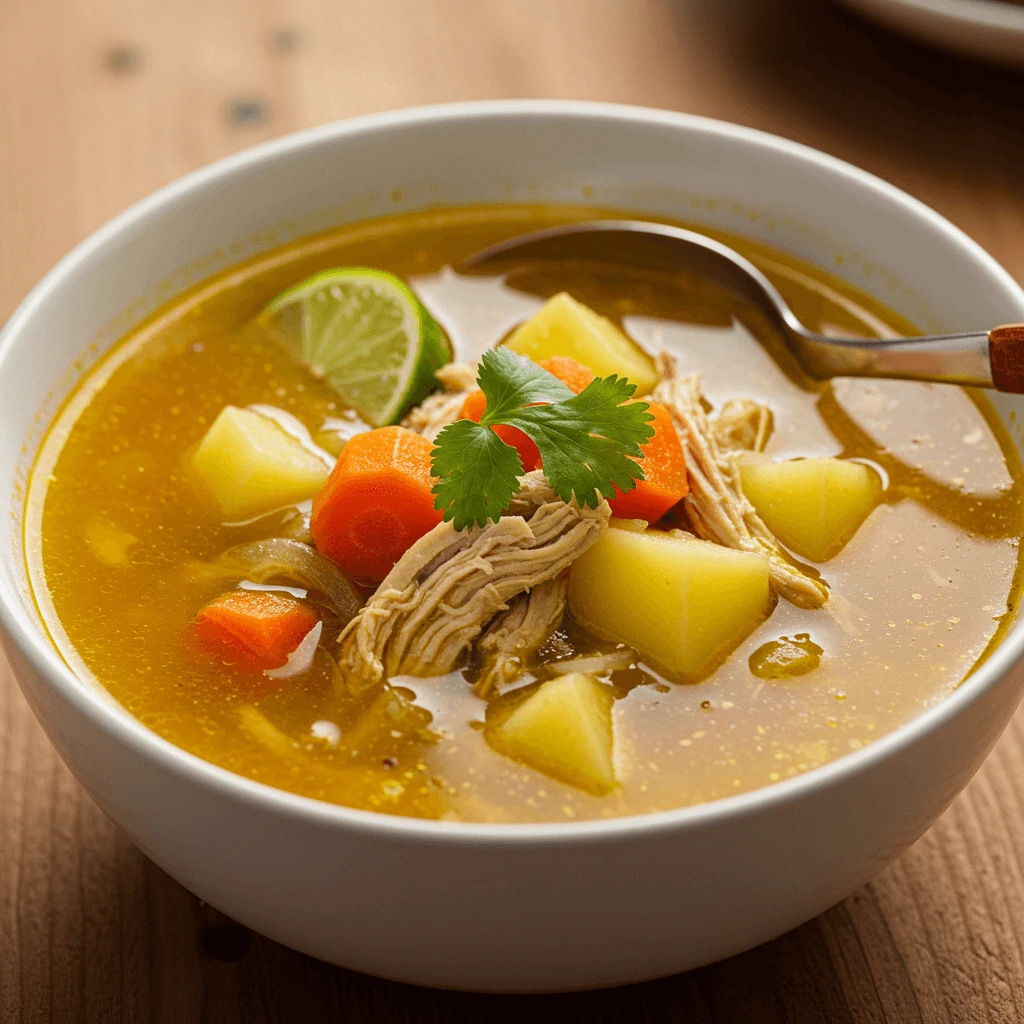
{"type": "Point", "coordinates": [575, 376]}
{"type": "Point", "coordinates": [376, 503]}
{"type": "Point", "coordinates": [255, 629]}
{"type": "Point", "coordinates": [664, 468]}
{"type": "Point", "coordinates": [473, 409]}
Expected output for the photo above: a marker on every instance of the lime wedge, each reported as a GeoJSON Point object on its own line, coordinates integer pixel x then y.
{"type": "Point", "coordinates": [367, 334]}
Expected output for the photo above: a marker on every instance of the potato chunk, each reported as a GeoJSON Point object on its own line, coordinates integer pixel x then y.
{"type": "Point", "coordinates": [814, 506]}
{"type": "Point", "coordinates": [563, 729]}
{"type": "Point", "coordinates": [252, 465]}
{"type": "Point", "coordinates": [565, 327]}
{"type": "Point", "coordinates": [683, 603]}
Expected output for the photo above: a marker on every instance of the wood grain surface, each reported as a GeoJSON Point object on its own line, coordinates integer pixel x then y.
{"type": "Point", "coordinates": [102, 101]}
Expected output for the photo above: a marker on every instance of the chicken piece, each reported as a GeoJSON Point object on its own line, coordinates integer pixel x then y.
{"type": "Point", "coordinates": [716, 505]}
{"type": "Point", "coordinates": [518, 632]}
{"type": "Point", "coordinates": [436, 411]}
{"type": "Point", "coordinates": [450, 584]}
{"type": "Point", "coordinates": [743, 425]}
{"type": "Point", "coordinates": [534, 491]}
{"type": "Point", "coordinates": [458, 376]}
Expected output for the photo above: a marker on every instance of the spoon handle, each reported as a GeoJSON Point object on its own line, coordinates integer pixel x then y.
{"type": "Point", "coordinates": [965, 359]}
{"type": "Point", "coordinates": [1006, 355]}
{"type": "Point", "coordinates": [983, 359]}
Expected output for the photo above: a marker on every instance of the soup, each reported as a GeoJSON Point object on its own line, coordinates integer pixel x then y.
{"type": "Point", "coordinates": [803, 567]}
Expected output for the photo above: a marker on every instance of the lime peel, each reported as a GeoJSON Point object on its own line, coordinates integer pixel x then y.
{"type": "Point", "coordinates": [367, 334]}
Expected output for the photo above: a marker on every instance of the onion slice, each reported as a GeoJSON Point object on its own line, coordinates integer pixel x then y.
{"type": "Point", "coordinates": [595, 664]}
{"type": "Point", "coordinates": [300, 592]}
{"type": "Point", "coordinates": [301, 659]}
{"type": "Point", "coordinates": [282, 557]}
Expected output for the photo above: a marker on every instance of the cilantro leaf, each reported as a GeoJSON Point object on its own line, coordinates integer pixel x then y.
{"type": "Point", "coordinates": [511, 381]}
{"type": "Point", "coordinates": [586, 441]}
{"type": "Point", "coordinates": [589, 443]}
{"type": "Point", "coordinates": [477, 474]}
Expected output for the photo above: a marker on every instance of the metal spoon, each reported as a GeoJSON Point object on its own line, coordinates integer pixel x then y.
{"type": "Point", "coordinates": [988, 359]}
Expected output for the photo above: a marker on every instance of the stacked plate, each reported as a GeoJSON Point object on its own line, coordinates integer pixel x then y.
{"type": "Point", "coordinates": [990, 30]}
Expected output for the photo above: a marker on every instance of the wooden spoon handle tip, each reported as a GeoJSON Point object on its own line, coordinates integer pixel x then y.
{"type": "Point", "coordinates": [1006, 354]}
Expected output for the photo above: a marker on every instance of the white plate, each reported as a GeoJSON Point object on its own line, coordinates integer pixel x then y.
{"type": "Point", "coordinates": [991, 30]}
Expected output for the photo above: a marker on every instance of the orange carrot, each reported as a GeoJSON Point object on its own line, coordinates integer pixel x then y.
{"type": "Point", "coordinates": [664, 468]}
{"type": "Point", "coordinates": [473, 408]}
{"type": "Point", "coordinates": [376, 503]}
{"type": "Point", "coordinates": [575, 376]}
{"type": "Point", "coordinates": [255, 629]}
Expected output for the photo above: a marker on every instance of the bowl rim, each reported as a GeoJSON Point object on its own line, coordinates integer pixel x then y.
{"type": "Point", "coordinates": [120, 726]}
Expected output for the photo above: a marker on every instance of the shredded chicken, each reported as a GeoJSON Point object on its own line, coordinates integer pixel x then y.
{"type": "Point", "coordinates": [458, 376]}
{"type": "Point", "coordinates": [436, 411]}
{"type": "Point", "coordinates": [716, 505]}
{"type": "Point", "coordinates": [518, 632]}
{"type": "Point", "coordinates": [743, 425]}
{"type": "Point", "coordinates": [534, 491]}
{"type": "Point", "coordinates": [595, 664]}
{"type": "Point", "coordinates": [449, 585]}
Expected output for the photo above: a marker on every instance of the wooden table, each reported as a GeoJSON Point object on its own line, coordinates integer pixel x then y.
{"type": "Point", "coordinates": [102, 101]}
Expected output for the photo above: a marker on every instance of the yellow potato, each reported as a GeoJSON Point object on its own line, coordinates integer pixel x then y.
{"type": "Point", "coordinates": [814, 506]}
{"type": "Point", "coordinates": [683, 603]}
{"type": "Point", "coordinates": [565, 327]}
{"type": "Point", "coordinates": [563, 729]}
{"type": "Point", "coordinates": [252, 465]}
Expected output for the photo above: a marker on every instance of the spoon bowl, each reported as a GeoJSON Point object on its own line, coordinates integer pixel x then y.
{"type": "Point", "coordinates": [987, 359]}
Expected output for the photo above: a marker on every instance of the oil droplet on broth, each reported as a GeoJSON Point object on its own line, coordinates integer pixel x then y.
{"type": "Point", "coordinates": [779, 659]}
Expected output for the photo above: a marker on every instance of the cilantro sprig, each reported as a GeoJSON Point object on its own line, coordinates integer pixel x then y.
{"type": "Point", "coordinates": [588, 443]}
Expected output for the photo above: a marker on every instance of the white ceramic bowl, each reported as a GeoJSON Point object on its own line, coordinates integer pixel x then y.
{"type": "Point", "coordinates": [991, 30]}
{"type": "Point", "coordinates": [499, 907]}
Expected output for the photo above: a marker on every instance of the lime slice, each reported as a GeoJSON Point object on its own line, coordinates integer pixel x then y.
{"type": "Point", "coordinates": [367, 334]}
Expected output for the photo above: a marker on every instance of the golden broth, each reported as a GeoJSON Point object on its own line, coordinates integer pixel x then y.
{"type": "Point", "coordinates": [917, 596]}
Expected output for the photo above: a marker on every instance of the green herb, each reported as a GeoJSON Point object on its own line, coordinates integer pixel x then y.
{"type": "Point", "coordinates": [587, 442]}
